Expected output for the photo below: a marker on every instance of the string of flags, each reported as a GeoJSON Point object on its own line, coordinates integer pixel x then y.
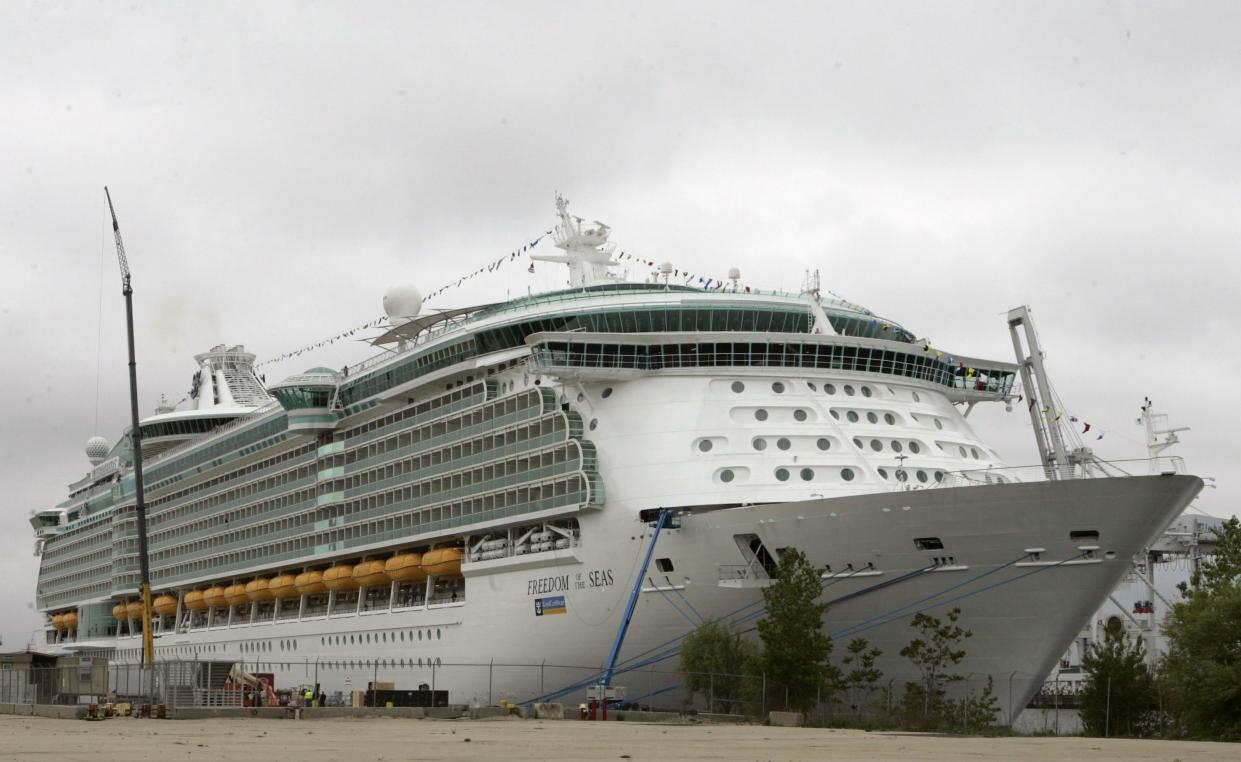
{"type": "Point", "coordinates": [491, 267]}
{"type": "Point", "coordinates": [323, 343]}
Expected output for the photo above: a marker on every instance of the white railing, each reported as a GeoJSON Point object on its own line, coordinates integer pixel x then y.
{"type": "Point", "coordinates": [1094, 469]}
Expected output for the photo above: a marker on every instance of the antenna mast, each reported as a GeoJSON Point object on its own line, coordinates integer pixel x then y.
{"type": "Point", "coordinates": [135, 436]}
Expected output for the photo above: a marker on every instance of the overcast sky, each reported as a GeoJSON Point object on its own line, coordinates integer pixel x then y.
{"type": "Point", "coordinates": [277, 166]}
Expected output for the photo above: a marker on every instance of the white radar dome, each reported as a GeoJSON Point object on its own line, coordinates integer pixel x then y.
{"type": "Point", "coordinates": [402, 304]}
{"type": "Point", "coordinates": [96, 450]}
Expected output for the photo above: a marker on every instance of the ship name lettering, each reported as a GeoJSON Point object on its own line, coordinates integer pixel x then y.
{"type": "Point", "coordinates": [600, 578]}
{"type": "Point", "coordinates": [547, 585]}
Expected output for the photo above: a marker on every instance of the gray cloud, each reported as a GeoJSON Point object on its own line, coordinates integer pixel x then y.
{"type": "Point", "coordinates": [277, 166]}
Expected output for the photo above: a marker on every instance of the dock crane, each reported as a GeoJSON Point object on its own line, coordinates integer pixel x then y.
{"type": "Point", "coordinates": [135, 436]}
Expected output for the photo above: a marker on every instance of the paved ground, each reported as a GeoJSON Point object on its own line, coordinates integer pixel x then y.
{"type": "Point", "coordinates": [387, 740]}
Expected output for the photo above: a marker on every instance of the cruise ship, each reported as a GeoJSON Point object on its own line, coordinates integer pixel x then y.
{"type": "Point", "coordinates": [482, 492]}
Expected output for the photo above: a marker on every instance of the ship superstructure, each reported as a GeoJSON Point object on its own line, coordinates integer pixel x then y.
{"type": "Point", "coordinates": [439, 503]}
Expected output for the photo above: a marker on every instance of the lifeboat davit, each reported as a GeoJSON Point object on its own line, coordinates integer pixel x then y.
{"type": "Point", "coordinates": [119, 613]}
{"type": "Point", "coordinates": [283, 586]}
{"type": "Point", "coordinates": [165, 605]}
{"type": "Point", "coordinates": [310, 583]}
{"type": "Point", "coordinates": [214, 597]}
{"type": "Point", "coordinates": [259, 590]}
{"type": "Point", "coordinates": [134, 610]}
{"type": "Point", "coordinates": [340, 577]}
{"type": "Point", "coordinates": [194, 601]}
{"type": "Point", "coordinates": [71, 620]}
{"type": "Point", "coordinates": [370, 574]}
{"type": "Point", "coordinates": [442, 562]}
{"type": "Point", "coordinates": [405, 568]}
{"type": "Point", "coordinates": [236, 595]}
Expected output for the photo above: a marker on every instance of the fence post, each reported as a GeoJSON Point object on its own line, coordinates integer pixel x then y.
{"type": "Point", "coordinates": [542, 669]}
{"type": "Point", "coordinates": [650, 687]}
{"type": "Point", "coordinates": [711, 694]}
{"type": "Point", "coordinates": [1107, 717]}
{"type": "Point", "coordinates": [1011, 717]}
{"type": "Point", "coordinates": [490, 670]}
{"type": "Point", "coordinates": [764, 705]}
{"type": "Point", "coordinates": [432, 682]}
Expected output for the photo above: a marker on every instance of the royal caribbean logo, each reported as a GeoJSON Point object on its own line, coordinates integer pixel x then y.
{"type": "Point", "coordinates": [552, 605]}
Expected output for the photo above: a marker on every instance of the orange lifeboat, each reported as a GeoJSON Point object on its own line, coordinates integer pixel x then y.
{"type": "Point", "coordinates": [283, 586]}
{"type": "Point", "coordinates": [370, 574]}
{"type": "Point", "coordinates": [194, 601]}
{"type": "Point", "coordinates": [119, 613]}
{"type": "Point", "coordinates": [71, 620]}
{"type": "Point", "coordinates": [236, 595]}
{"type": "Point", "coordinates": [165, 605]}
{"type": "Point", "coordinates": [259, 590]}
{"type": "Point", "coordinates": [405, 568]}
{"type": "Point", "coordinates": [134, 610]}
{"type": "Point", "coordinates": [214, 597]}
{"type": "Point", "coordinates": [340, 577]}
{"type": "Point", "coordinates": [442, 562]}
{"type": "Point", "coordinates": [58, 621]}
{"type": "Point", "coordinates": [310, 583]}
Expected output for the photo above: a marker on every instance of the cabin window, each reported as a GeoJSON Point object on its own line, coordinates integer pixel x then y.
{"type": "Point", "coordinates": [928, 543]}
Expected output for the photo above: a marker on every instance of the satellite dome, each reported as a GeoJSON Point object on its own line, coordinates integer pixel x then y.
{"type": "Point", "coordinates": [402, 304]}
{"type": "Point", "coordinates": [96, 449]}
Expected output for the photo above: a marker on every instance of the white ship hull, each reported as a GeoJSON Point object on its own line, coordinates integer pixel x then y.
{"type": "Point", "coordinates": [1023, 608]}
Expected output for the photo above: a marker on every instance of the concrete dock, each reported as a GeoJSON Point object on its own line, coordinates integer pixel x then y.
{"type": "Point", "coordinates": [390, 740]}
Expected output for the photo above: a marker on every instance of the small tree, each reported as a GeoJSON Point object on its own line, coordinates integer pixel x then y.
{"type": "Point", "coordinates": [935, 651]}
{"type": "Point", "coordinates": [1118, 696]}
{"type": "Point", "coordinates": [795, 650]}
{"type": "Point", "coordinates": [1200, 677]}
{"type": "Point", "coordinates": [859, 676]}
{"type": "Point", "coordinates": [715, 662]}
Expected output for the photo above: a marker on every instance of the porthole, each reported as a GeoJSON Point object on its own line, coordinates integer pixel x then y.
{"type": "Point", "coordinates": [901, 475]}
{"type": "Point", "coordinates": [866, 391]}
{"type": "Point", "coordinates": [726, 475]}
{"type": "Point", "coordinates": [813, 388]}
{"type": "Point", "coordinates": [606, 393]}
{"type": "Point", "coordinates": [807, 474]}
{"type": "Point", "coordinates": [974, 452]}
{"type": "Point", "coordinates": [783, 443]}
{"type": "Point", "coordinates": [705, 445]}
{"type": "Point", "coordinates": [824, 443]}
{"type": "Point", "coordinates": [915, 448]}
{"type": "Point", "coordinates": [883, 473]}
{"type": "Point", "coordinates": [896, 446]}
{"type": "Point", "coordinates": [889, 419]}
{"type": "Point", "coordinates": [938, 423]}
{"type": "Point", "coordinates": [939, 476]}
{"type": "Point", "coordinates": [835, 415]}
{"type": "Point", "coordinates": [829, 388]}
{"type": "Point", "coordinates": [846, 474]}
{"type": "Point", "coordinates": [350, 640]}
{"type": "Point", "coordinates": [760, 414]}
{"type": "Point", "coordinates": [916, 397]}
{"type": "Point", "coordinates": [580, 397]}
{"type": "Point", "coordinates": [737, 387]}
{"type": "Point", "coordinates": [962, 451]}
{"type": "Point", "coordinates": [402, 637]}
{"type": "Point", "coordinates": [852, 416]}
{"type": "Point", "coordinates": [849, 390]}
{"type": "Point", "coordinates": [1000, 479]}
{"type": "Point", "coordinates": [385, 637]}
{"type": "Point", "coordinates": [921, 476]}
{"type": "Point", "coordinates": [799, 415]}
{"type": "Point", "coordinates": [419, 660]}
{"type": "Point", "coordinates": [594, 423]}
{"type": "Point", "coordinates": [420, 634]}
{"type": "Point", "coordinates": [760, 444]}
{"type": "Point", "coordinates": [438, 635]}
{"type": "Point", "coordinates": [857, 442]}
{"type": "Point", "coordinates": [872, 418]}
{"type": "Point", "coordinates": [782, 474]}
{"type": "Point", "coordinates": [777, 387]}
{"type": "Point", "coordinates": [876, 445]}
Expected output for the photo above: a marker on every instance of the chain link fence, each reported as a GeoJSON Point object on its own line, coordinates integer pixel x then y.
{"type": "Point", "coordinates": [968, 703]}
